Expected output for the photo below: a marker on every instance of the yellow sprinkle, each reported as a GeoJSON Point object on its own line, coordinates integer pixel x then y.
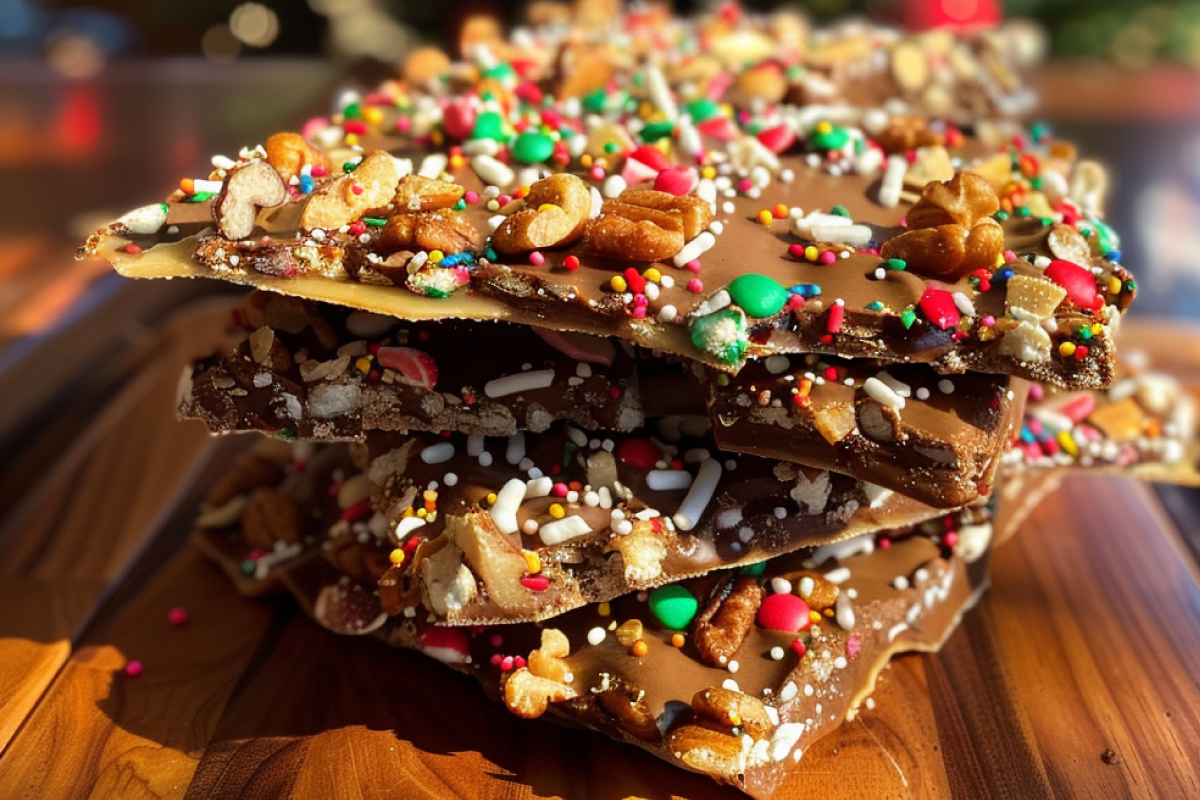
{"type": "Point", "coordinates": [1067, 443]}
{"type": "Point", "coordinates": [1114, 285]}
{"type": "Point", "coordinates": [815, 616]}
{"type": "Point", "coordinates": [557, 511]}
{"type": "Point", "coordinates": [708, 172]}
{"type": "Point", "coordinates": [812, 253]}
{"type": "Point", "coordinates": [363, 364]}
{"type": "Point", "coordinates": [408, 512]}
{"type": "Point", "coordinates": [533, 562]}
{"type": "Point", "coordinates": [652, 274]}
{"type": "Point", "coordinates": [678, 639]}
{"type": "Point", "coordinates": [1066, 349]}
{"type": "Point", "coordinates": [828, 612]}
{"type": "Point", "coordinates": [604, 609]}
{"type": "Point", "coordinates": [548, 207]}
{"type": "Point", "coordinates": [422, 513]}
{"type": "Point", "coordinates": [491, 498]}
{"type": "Point", "coordinates": [765, 217]}
{"type": "Point", "coordinates": [431, 516]}
{"type": "Point", "coordinates": [618, 283]}
{"type": "Point", "coordinates": [373, 115]}
{"type": "Point", "coordinates": [824, 127]}
{"type": "Point", "coordinates": [457, 162]}
{"type": "Point", "coordinates": [1000, 260]}
{"type": "Point", "coordinates": [586, 160]}
{"type": "Point", "coordinates": [1097, 328]}
{"type": "Point", "coordinates": [396, 557]}
{"type": "Point", "coordinates": [436, 256]}
{"type": "Point", "coordinates": [429, 496]}
{"type": "Point", "coordinates": [351, 139]}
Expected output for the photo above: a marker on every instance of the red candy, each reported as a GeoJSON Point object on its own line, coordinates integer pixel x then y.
{"type": "Point", "coordinates": [1079, 283]}
{"type": "Point", "coordinates": [536, 583]}
{"type": "Point", "coordinates": [784, 612]}
{"type": "Point", "coordinates": [650, 156]}
{"type": "Point", "coordinates": [448, 645]}
{"type": "Point", "coordinates": [778, 138]}
{"type": "Point", "coordinates": [938, 307]}
{"type": "Point", "coordinates": [415, 366]}
{"type": "Point", "coordinates": [640, 454]}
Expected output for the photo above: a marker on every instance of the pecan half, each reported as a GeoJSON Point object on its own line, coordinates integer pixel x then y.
{"type": "Point", "coordinates": [727, 618]}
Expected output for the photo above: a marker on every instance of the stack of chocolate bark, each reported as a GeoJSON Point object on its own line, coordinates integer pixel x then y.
{"type": "Point", "coordinates": [656, 373]}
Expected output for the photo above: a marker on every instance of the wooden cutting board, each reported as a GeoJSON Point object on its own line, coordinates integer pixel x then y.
{"type": "Point", "coordinates": [1078, 675]}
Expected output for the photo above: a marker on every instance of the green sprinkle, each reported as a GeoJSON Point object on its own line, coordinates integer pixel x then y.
{"type": "Point", "coordinates": [288, 434]}
{"type": "Point", "coordinates": [673, 606]}
{"type": "Point", "coordinates": [248, 567]}
{"type": "Point", "coordinates": [460, 205]}
{"type": "Point", "coordinates": [200, 197]}
{"type": "Point", "coordinates": [703, 109]}
{"type": "Point", "coordinates": [908, 317]}
{"type": "Point", "coordinates": [758, 295]}
{"type": "Point", "coordinates": [350, 166]}
{"type": "Point", "coordinates": [374, 222]}
{"type": "Point", "coordinates": [1000, 216]}
{"type": "Point", "coordinates": [489, 125]}
{"type": "Point", "coordinates": [840, 211]}
{"type": "Point", "coordinates": [657, 130]}
{"type": "Point", "coordinates": [722, 379]}
{"type": "Point", "coordinates": [352, 111]}
{"type": "Point", "coordinates": [1084, 332]}
{"type": "Point", "coordinates": [876, 306]}
{"type": "Point", "coordinates": [833, 139]}
{"type": "Point", "coordinates": [1023, 211]}
{"type": "Point", "coordinates": [610, 147]}
{"type": "Point", "coordinates": [755, 570]}
{"type": "Point", "coordinates": [896, 264]}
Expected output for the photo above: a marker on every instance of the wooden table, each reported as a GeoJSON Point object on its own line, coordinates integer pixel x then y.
{"type": "Point", "coordinates": [1077, 675]}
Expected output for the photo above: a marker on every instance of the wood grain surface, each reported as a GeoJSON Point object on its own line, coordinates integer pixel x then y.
{"type": "Point", "coordinates": [1076, 676]}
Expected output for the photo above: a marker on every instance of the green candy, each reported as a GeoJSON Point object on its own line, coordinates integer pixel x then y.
{"type": "Point", "coordinates": [596, 101]}
{"type": "Point", "coordinates": [833, 139]}
{"type": "Point", "coordinates": [896, 263]}
{"type": "Point", "coordinates": [908, 317]}
{"type": "Point", "coordinates": [532, 148]}
{"type": "Point", "coordinates": [722, 334]}
{"type": "Point", "coordinates": [654, 131]}
{"type": "Point", "coordinates": [758, 295]}
{"type": "Point", "coordinates": [489, 125]}
{"type": "Point", "coordinates": [755, 570]}
{"type": "Point", "coordinates": [673, 606]}
{"type": "Point", "coordinates": [1102, 238]}
{"type": "Point", "coordinates": [702, 109]}
{"type": "Point", "coordinates": [352, 111]}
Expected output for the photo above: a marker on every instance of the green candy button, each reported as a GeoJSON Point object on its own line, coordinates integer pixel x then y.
{"type": "Point", "coordinates": [489, 125]}
{"type": "Point", "coordinates": [532, 147]}
{"type": "Point", "coordinates": [673, 606]}
{"type": "Point", "coordinates": [703, 109]}
{"type": "Point", "coordinates": [758, 295]}
{"type": "Point", "coordinates": [829, 138]}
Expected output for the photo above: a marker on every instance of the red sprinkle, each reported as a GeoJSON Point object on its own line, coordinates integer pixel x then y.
{"type": "Point", "coordinates": [831, 373]}
{"type": "Point", "coordinates": [938, 307]}
{"type": "Point", "coordinates": [177, 616]}
{"type": "Point", "coordinates": [796, 250]}
{"type": "Point", "coordinates": [695, 286]}
{"type": "Point", "coordinates": [837, 314]}
{"type": "Point", "coordinates": [636, 282]}
{"type": "Point", "coordinates": [536, 258]}
{"type": "Point", "coordinates": [640, 454]}
{"type": "Point", "coordinates": [950, 539]}
{"type": "Point", "coordinates": [134, 668]}
{"type": "Point", "coordinates": [571, 263]}
{"type": "Point", "coordinates": [536, 583]}
{"type": "Point", "coordinates": [798, 647]}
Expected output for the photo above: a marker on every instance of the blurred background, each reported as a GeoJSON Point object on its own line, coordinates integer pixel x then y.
{"type": "Point", "coordinates": [105, 104]}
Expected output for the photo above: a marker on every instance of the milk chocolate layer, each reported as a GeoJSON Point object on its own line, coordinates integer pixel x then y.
{"type": "Point", "coordinates": [323, 373]}
{"type": "Point", "coordinates": [530, 527]}
{"type": "Point", "coordinates": [934, 438]}
{"type": "Point", "coordinates": [744, 718]}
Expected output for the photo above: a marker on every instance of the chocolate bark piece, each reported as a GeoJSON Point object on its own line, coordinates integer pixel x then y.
{"type": "Point", "coordinates": [935, 438]}
{"type": "Point", "coordinates": [272, 509]}
{"type": "Point", "coordinates": [533, 526]}
{"type": "Point", "coordinates": [621, 669]}
{"type": "Point", "coordinates": [864, 309]}
{"type": "Point", "coordinates": [1144, 425]}
{"type": "Point", "coordinates": [321, 372]}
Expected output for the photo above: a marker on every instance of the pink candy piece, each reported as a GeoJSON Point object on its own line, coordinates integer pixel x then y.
{"type": "Point", "coordinates": [177, 616]}
{"type": "Point", "coordinates": [134, 668]}
{"type": "Point", "coordinates": [1078, 408]}
{"type": "Point", "coordinates": [651, 157]}
{"type": "Point", "coordinates": [416, 366]}
{"type": "Point", "coordinates": [778, 138]}
{"type": "Point", "coordinates": [678, 181]}
{"type": "Point", "coordinates": [784, 612]}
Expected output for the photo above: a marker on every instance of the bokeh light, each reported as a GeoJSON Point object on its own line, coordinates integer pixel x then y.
{"type": "Point", "coordinates": [254, 25]}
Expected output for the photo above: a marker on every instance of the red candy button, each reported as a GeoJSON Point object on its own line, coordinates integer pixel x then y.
{"type": "Point", "coordinates": [783, 612]}
{"type": "Point", "coordinates": [638, 453]}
